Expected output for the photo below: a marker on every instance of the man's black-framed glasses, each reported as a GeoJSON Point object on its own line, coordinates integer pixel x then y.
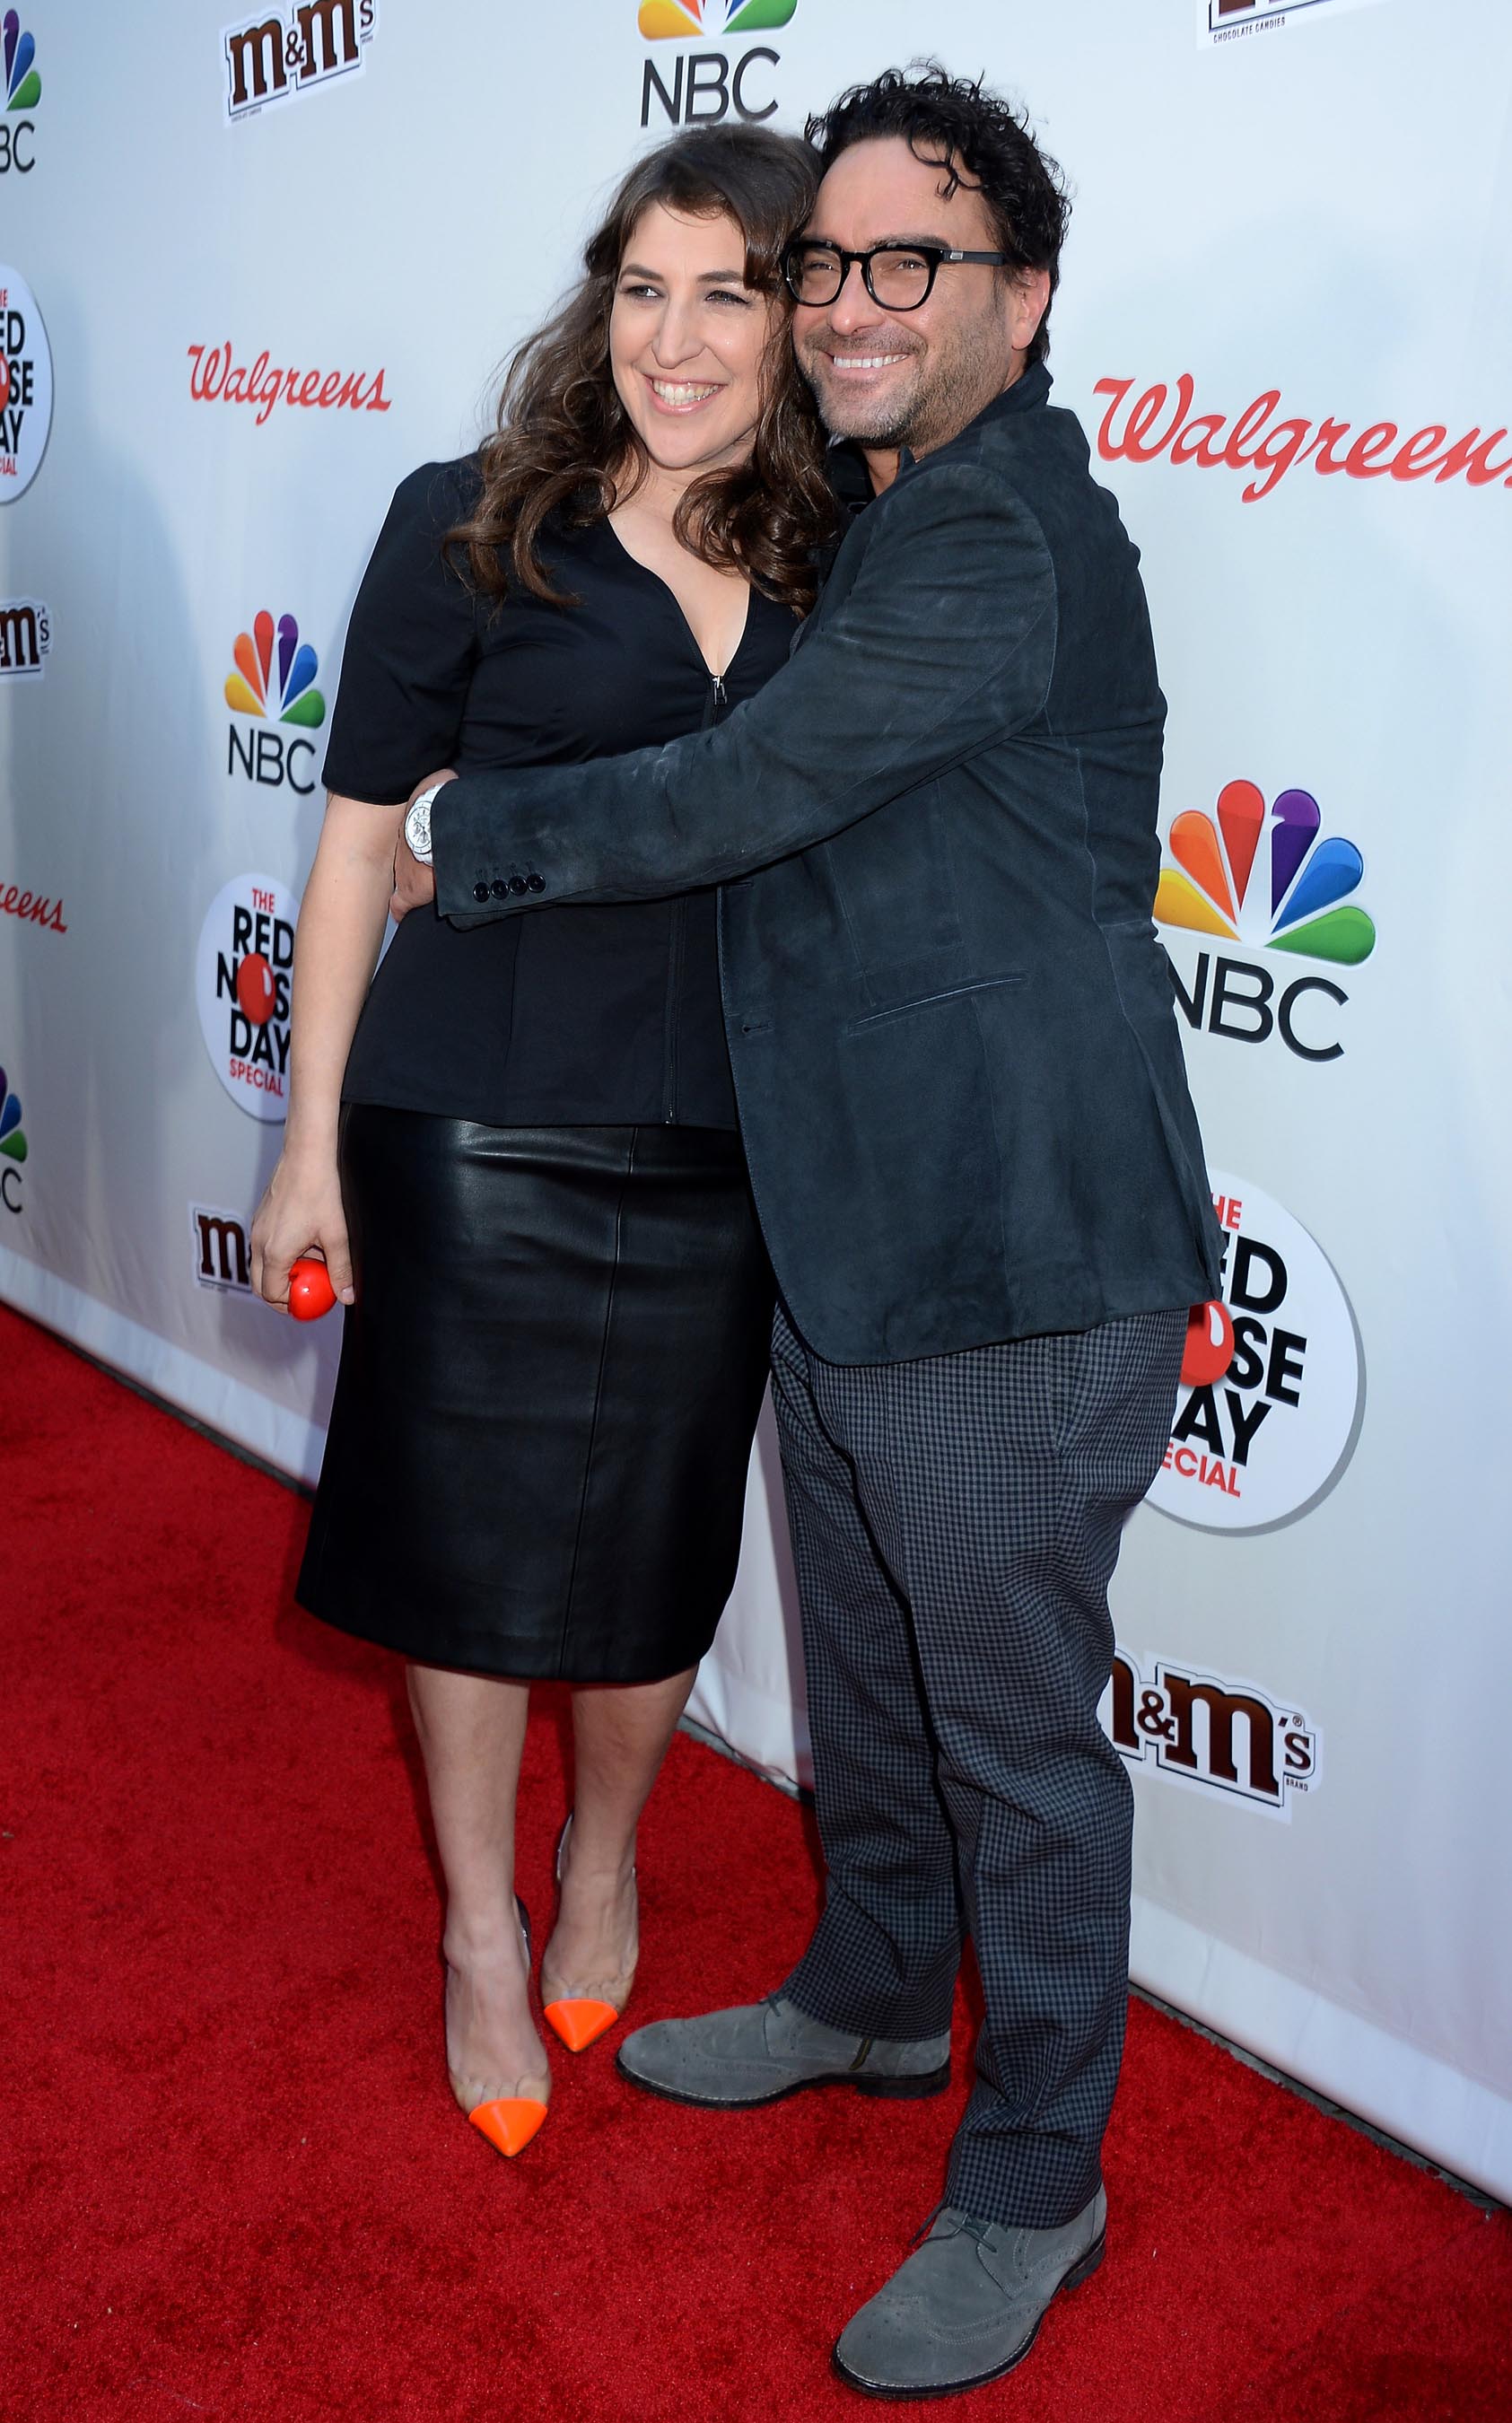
{"type": "Point", "coordinates": [899, 277]}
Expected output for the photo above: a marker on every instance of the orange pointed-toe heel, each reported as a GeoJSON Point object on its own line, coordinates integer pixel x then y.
{"type": "Point", "coordinates": [510, 2121]}
{"type": "Point", "coordinates": [578, 2019]}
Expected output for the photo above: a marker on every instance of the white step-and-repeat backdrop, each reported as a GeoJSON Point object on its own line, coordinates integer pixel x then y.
{"type": "Point", "coordinates": [250, 274]}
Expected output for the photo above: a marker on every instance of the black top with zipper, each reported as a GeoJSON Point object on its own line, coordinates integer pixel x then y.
{"type": "Point", "coordinates": [576, 1017]}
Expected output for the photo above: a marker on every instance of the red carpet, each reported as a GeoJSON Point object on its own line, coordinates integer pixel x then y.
{"type": "Point", "coordinates": [235, 2183]}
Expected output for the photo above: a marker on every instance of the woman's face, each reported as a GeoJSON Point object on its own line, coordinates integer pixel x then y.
{"type": "Point", "coordinates": [686, 339]}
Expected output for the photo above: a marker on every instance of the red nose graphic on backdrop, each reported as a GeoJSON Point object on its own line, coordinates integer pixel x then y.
{"type": "Point", "coordinates": [1209, 1348]}
{"type": "Point", "coordinates": [310, 1292]}
{"type": "Point", "coordinates": [255, 995]}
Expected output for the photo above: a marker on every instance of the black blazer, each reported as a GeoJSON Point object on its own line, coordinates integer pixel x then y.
{"type": "Point", "coordinates": [951, 1025]}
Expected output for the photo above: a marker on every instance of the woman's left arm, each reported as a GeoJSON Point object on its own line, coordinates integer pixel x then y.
{"type": "Point", "coordinates": [335, 949]}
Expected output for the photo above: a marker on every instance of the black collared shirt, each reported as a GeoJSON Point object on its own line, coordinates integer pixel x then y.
{"type": "Point", "coordinates": [576, 1016]}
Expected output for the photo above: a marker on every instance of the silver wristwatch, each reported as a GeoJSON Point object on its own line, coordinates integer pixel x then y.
{"type": "Point", "coordinates": [417, 824]}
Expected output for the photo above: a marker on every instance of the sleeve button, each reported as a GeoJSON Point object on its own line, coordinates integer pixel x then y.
{"type": "Point", "coordinates": [518, 883]}
{"type": "Point", "coordinates": [499, 889]}
{"type": "Point", "coordinates": [535, 883]}
{"type": "Point", "coordinates": [480, 890]}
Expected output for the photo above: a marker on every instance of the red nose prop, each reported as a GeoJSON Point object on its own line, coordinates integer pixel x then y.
{"type": "Point", "coordinates": [1209, 1345]}
{"type": "Point", "coordinates": [310, 1292]}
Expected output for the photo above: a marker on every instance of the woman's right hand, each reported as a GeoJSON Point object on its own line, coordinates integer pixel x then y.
{"type": "Point", "coordinates": [300, 1213]}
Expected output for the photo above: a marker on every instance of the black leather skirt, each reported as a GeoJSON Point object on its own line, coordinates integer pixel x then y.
{"type": "Point", "coordinates": [548, 1387]}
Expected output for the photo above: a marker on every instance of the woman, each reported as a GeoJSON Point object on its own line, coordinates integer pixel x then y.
{"type": "Point", "coordinates": [518, 1153]}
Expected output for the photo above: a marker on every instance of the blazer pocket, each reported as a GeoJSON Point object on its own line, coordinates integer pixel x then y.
{"type": "Point", "coordinates": [930, 1000]}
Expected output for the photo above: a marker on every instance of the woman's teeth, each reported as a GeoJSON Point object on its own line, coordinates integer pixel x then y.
{"type": "Point", "coordinates": [681, 392]}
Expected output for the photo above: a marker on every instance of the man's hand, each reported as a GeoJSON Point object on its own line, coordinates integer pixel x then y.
{"type": "Point", "coordinates": [413, 885]}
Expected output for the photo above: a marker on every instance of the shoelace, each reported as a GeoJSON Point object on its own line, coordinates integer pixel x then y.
{"type": "Point", "coordinates": [966, 2226]}
{"type": "Point", "coordinates": [863, 2050]}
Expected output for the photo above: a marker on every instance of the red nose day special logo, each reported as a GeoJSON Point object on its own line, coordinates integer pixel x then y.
{"type": "Point", "coordinates": [1272, 1382]}
{"type": "Point", "coordinates": [705, 85]}
{"type": "Point", "coordinates": [242, 973]}
{"type": "Point", "coordinates": [25, 387]}
{"type": "Point", "coordinates": [280, 54]}
{"type": "Point", "coordinates": [1265, 880]}
{"type": "Point", "coordinates": [23, 91]}
{"type": "Point", "coordinates": [262, 690]}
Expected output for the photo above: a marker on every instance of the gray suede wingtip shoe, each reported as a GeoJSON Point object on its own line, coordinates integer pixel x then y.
{"type": "Point", "coordinates": [731, 2060]}
{"type": "Point", "coordinates": [966, 2305]}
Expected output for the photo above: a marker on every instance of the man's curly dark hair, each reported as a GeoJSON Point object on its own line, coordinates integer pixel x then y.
{"type": "Point", "coordinates": [980, 141]}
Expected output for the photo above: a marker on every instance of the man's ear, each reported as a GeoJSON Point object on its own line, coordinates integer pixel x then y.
{"type": "Point", "coordinates": [1029, 301]}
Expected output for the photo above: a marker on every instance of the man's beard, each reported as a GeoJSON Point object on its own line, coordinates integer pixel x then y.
{"type": "Point", "coordinates": [935, 405]}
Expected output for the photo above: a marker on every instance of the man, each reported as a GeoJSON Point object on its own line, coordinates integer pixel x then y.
{"type": "Point", "coordinates": [980, 1180]}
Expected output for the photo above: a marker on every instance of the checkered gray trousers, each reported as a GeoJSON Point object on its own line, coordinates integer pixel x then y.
{"type": "Point", "coordinates": [955, 1522]}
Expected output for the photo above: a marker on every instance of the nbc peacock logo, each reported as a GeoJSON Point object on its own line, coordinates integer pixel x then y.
{"type": "Point", "coordinates": [251, 689]}
{"type": "Point", "coordinates": [24, 91]}
{"type": "Point", "coordinates": [701, 87]}
{"type": "Point", "coordinates": [273, 683]}
{"type": "Point", "coordinates": [1264, 880]}
{"type": "Point", "coordinates": [681, 20]}
{"type": "Point", "coordinates": [24, 85]}
{"type": "Point", "coordinates": [1210, 889]}
{"type": "Point", "coordinates": [12, 1146]}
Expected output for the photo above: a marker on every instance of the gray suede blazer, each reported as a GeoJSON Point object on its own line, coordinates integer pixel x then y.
{"type": "Point", "coordinates": [951, 1024]}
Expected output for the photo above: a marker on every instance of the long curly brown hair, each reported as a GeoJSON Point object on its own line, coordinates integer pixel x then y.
{"type": "Point", "coordinates": [563, 442]}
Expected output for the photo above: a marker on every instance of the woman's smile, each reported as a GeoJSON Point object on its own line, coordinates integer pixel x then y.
{"type": "Point", "coordinates": [681, 396]}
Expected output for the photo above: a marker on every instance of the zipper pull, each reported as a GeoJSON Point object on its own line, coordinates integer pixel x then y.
{"type": "Point", "coordinates": [717, 680]}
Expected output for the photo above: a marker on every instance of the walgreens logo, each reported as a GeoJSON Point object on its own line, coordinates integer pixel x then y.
{"type": "Point", "coordinates": [217, 377]}
{"type": "Point", "coordinates": [34, 908]}
{"type": "Point", "coordinates": [1267, 444]}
